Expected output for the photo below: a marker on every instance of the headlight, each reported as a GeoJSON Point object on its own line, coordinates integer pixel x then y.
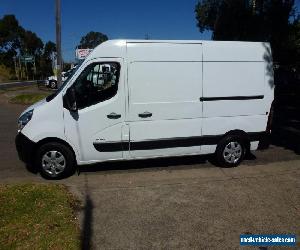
{"type": "Point", "coordinates": [24, 119]}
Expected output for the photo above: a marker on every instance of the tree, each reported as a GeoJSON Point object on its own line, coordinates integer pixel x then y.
{"type": "Point", "coordinates": [10, 39]}
{"type": "Point", "coordinates": [31, 44]}
{"type": "Point", "coordinates": [16, 41]}
{"type": "Point", "coordinates": [91, 40]}
{"type": "Point", "coordinates": [45, 62]}
{"type": "Point", "coordinates": [49, 49]}
{"type": "Point", "coordinates": [294, 42]}
{"type": "Point", "coordinates": [248, 20]}
{"type": "Point", "coordinates": [10, 32]}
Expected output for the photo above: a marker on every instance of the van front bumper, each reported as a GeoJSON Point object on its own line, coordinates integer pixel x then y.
{"type": "Point", "coordinates": [25, 148]}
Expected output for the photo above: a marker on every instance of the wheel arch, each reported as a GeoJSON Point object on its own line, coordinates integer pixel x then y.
{"type": "Point", "coordinates": [55, 139]}
{"type": "Point", "coordinates": [242, 134]}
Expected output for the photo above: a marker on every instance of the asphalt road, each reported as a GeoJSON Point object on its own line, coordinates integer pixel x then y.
{"type": "Point", "coordinates": [174, 203]}
{"type": "Point", "coordinates": [16, 84]}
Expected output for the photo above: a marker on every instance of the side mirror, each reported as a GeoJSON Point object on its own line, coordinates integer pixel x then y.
{"type": "Point", "coordinates": [69, 99]}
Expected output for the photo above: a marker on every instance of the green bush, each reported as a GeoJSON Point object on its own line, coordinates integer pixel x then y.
{"type": "Point", "coordinates": [5, 74]}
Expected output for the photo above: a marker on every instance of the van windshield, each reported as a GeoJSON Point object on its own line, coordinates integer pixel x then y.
{"type": "Point", "coordinates": [70, 75]}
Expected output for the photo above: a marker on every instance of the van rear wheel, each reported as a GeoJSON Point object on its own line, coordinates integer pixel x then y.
{"type": "Point", "coordinates": [230, 151]}
{"type": "Point", "coordinates": [55, 161]}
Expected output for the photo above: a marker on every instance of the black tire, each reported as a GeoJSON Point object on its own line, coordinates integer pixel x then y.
{"type": "Point", "coordinates": [224, 145]}
{"type": "Point", "coordinates": [60, 167]}
{"type": "Point", "coordinates": [53, 85]}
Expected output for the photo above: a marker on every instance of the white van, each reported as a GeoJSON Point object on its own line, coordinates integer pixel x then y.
{"type": "Point", "coordinates": [136, 99]}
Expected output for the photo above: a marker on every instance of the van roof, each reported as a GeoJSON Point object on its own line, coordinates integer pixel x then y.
{"type": "Point", "coordinates": [213, 50]}
{"type": "Point", "coordinates": [175, 41]}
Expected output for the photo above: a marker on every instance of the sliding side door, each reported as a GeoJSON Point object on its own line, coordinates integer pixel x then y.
{"type": "Point", "coordinates": [165, 113]}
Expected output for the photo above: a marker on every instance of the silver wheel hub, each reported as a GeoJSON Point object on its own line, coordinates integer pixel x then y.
{"type": "Point", "coordinates": [232, 152]}
{"type": "Point", "coordinates": [53, 163]}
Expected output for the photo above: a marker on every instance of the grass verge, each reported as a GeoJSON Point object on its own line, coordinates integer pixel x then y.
{"type": "Point", "coordinates": [28, 98]}
{"type": "Point", "coordinates": [38, 216]}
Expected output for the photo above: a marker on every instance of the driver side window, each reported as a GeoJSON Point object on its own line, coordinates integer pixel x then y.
{"type": "Point", "coordinates": [98, 82]}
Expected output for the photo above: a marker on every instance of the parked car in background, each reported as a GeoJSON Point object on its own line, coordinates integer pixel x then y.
{"type": "Point", "coordinates": [51, 81]}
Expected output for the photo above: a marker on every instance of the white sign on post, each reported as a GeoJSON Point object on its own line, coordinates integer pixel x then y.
{"type": "Point", "coordinates": [82, 53]}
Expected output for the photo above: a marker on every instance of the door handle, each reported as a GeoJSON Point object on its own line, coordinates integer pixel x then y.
{"type": "Point", "coordinates": [113, 115]}
{"type": "Point", "coordinates": [145, 114]}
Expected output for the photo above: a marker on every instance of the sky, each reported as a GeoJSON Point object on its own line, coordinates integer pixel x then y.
{"type": "Point", "coordinates": [131, 19]}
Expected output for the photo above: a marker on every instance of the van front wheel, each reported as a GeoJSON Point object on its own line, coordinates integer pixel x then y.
{"type": "Point", "coordinates": [230, 151]}
{"type": "Point", "coordinates": [55, 161]}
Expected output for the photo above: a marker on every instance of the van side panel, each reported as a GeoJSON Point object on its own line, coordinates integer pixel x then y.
{"type": "Point", "coordinates": [164, 51]}
{"type": "Point", "coordinates": [230, 51]}
{"type": "Point", "coordinates": [167, 82]}
{"type": "Point", "coordinates": [240, 84]}
{"type": "Point", "coordinates": [237, 93]}
{"type": "Point", "coordinates": [170, 89]}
